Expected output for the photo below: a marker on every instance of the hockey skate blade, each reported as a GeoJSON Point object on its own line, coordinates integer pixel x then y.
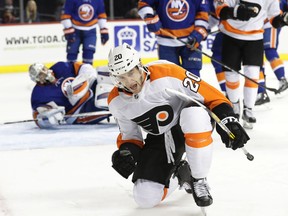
{"type": "Point", "coordinates": [204, 211]}
{"type": "Point", "coordinates": [247, 125]}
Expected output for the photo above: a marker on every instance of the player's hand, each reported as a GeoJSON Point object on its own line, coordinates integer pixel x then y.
{"type": "Point", "coordinates": [241, 137]}
{"type": "Point", "coordinates": [153, 23]}
{"type": "Point", "coordinates": [194, 40]}
{"type": "Point", "coordinates": [70, 34]}
{"type": "Point", "coordinates": [50, 115]}
{"type": "Point", "coordinates": [104, 35]}
{"type": "Point", "coordinates": [123, 162]}
{"type": "Point", "coordinates": [244, 13]}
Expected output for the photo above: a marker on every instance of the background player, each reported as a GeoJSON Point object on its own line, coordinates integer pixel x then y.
{"type": "Point", "coordinates": [68, 88]}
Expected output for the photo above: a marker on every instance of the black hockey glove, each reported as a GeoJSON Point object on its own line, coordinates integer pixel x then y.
{"type": "Point", "coordinates": [124, 160]}
{"type": "Point", "coordinates": [240, 12]}
{"type": "Point", "coordinates": [225, 112]}
{"type": "Point", "coordinates": [244, 13]}
{"type": "Point", "coordinates": [241, 137]}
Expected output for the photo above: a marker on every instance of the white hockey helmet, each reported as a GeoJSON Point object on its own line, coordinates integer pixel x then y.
{"type": "Point", "coordinates": [122, 59]}
{"type": "Point", "coordinates": [38, 68]}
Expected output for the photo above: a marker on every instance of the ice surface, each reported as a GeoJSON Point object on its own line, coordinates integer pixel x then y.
{"type": "Point", "coordinates": [67, 172]}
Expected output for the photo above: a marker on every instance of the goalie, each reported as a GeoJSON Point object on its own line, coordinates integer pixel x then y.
{"type": "Point", "coordinates": [68, 88]}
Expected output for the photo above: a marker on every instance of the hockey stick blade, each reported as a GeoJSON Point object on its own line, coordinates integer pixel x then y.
{"type": "Point", "coordinates": [100, 113]}
{"type": "Point", "coordinates": [181, 95]}
{"type": "Point", "coordinates": [164, 32]}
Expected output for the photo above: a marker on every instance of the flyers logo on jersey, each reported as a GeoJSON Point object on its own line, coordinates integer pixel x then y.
{"type": "Point", "coordinates": [86, 12]}
{"type": "Point", "coordinates": [153, 119]}
{"type": "Point", "coordinates": [177, 10]}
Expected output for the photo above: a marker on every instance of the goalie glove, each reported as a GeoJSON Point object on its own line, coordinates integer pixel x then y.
{"type": "Point", "coordinates": [124, 159]}
{"type": "Point", "coordinates": [50, 115]}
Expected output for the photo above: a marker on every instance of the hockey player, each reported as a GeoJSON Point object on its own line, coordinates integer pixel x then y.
{"type": "Point", "coordinates": [187, 20]}
{"type": "Point", "coordinates": [80, 19]}
{"type": "Point", "coordinates": [217, 47]}
{"type": "Point", "coordinates": [173, 126]}
{"type": "Point", "coordinates": [68, 88]}
{"type": "Point", "coordinates": [242, 27]}
{"type": "Point", "coordinates": [271, 40]}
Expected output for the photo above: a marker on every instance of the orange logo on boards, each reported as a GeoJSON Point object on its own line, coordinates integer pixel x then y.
{"type": "Point", "coordinates": [86, 12]}
{"type": "Point", "coordinates": [177, 10]}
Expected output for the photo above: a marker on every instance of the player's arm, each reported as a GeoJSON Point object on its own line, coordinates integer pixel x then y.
{"type": "Point", "coordinates": [69, 31]}
{"type": "Point", "coordinates": [79, 87]}
{"type": "Point", "coordinates": [200, 31]}
{"type": "Point", "coordinates": [146, 12]}
{"type": "Point", "coordinates": [129, 144]}
{"type": "Point", "coordinates": [237, 12]}
{"type": "Point", "coordinates": [216, 102]}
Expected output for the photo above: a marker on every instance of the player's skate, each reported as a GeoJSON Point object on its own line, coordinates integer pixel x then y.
{"type": "Point", "coordinates": [236, 108]}
{"type": "Point", "coordinates": [183, 174]}
{"type": "Point", "coordinates": [262, 98]}
{"type": "Point", "coordinates": [248, 118]}
{"type": "Point", "coordinates": [283, 85]}
{"type": "Point", "coordinates": [201, 193]}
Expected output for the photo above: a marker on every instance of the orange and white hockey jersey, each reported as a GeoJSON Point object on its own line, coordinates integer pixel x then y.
{"type": "Point", "coordinates": [153, 109]}
{"type": "Point", "coordinates": [253, 28]}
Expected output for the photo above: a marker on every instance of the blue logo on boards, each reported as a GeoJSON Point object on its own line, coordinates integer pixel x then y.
{"type": "Point", "coordinates": [128, 34]}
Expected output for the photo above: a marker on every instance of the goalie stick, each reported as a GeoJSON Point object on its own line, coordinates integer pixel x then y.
{"type": "Point", "coordinates": [213, 115]}
{"type": "Point", "coordinates": [276, 91]}
{"type": "Point", "coordinates": [66, 116]}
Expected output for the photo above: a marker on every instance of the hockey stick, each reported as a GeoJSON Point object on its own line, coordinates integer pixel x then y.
{"type": "Point", "coordinates": [66, 116]}
{"type": "Point", "coordinates": [213, 115]}
{"type": "Point", "coordinates": [214, 32]}
{"type": "Point", "coordinates": [276, 91]}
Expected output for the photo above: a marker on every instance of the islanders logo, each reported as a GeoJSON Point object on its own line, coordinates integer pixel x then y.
{"type": "Point", "coordinates": [177, 10]}
{"type": "Point", "coordinates": [86, 12]}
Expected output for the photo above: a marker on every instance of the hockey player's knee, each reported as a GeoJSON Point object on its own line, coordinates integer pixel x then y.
{"type": "Point", "coordinates": [147, 194]}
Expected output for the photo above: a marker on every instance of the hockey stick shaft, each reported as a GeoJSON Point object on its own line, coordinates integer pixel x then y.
{"type": "Point", "coordinates": [164, 32]}
{"type": "Point", "coordinates": [66, 116]}
{"type": "Point", "coordinates": [212, 114]}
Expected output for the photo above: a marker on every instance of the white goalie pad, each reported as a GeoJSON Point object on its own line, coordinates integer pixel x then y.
{"type": "Point", "coordinates": [103, 75]}
{"type": "Point", "coordinates": [101, 95]}
{"type": "Point", "coordinates": [88, 72]}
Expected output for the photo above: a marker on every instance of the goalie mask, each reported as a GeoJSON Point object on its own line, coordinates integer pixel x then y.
{"type": "Point", "coordinates": [40, 73]}
{"type": "Point", "coordinates": [126, 70]}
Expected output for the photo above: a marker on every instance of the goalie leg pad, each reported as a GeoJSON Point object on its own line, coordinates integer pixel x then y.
{"type": "Point", "coordinates": [101, 95]}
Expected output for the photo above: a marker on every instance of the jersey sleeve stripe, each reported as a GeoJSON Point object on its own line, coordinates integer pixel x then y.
{"type": "Point", "coordinates": [120, 141]}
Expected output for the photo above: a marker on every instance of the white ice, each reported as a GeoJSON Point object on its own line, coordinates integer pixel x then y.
{"type": "Point", "coordinates": [67, 172]}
